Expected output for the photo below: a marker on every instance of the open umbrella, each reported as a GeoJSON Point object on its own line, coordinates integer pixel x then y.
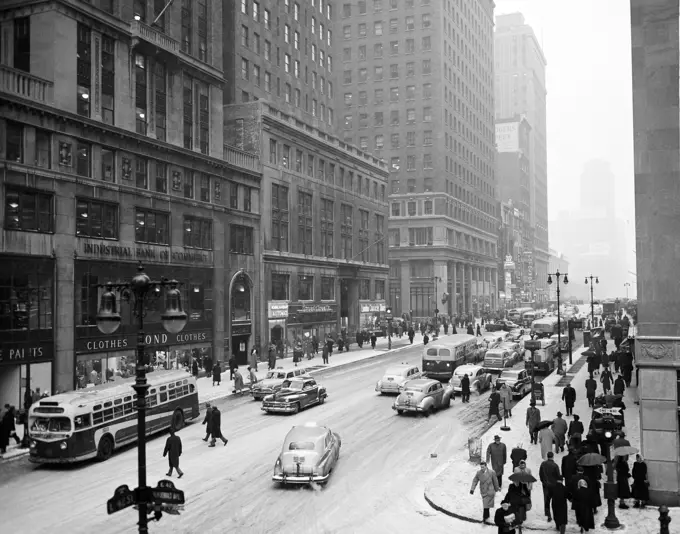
{"type": "Point", "coordinates": [588, 353]}
{"type": "Point", "coordinates": [522, 477]}
{"type": "Point", "coordinates": [621, 442]}
{"type": "Point", "coordinates": [625, 451]}
{"type": "Point", "coordinates": [591, 459]}
{"type": "Point", "coordinates": [543, 424]}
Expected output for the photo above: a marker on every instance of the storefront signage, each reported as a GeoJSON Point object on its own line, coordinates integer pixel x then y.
{"type": "Point", "coordinates": [28, 352]}
{"type": "Point", "coordinates": [114, 343]}
{"type": "Point", "coordinates": [93, 249]}
{"type": "Point", "coordinates": [277, 310]}
{"type": "Point", "coordinates": [240, 330]}
{"type": "Point", "coordinates": [372, 308]}
{"type": "Point", "coordinates": [315, 308]}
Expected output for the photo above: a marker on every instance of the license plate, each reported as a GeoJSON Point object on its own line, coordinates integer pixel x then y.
{"type": "Point", "coordinates": [299, 459]}
{"type": "Point", "coordinates": [390, 379]}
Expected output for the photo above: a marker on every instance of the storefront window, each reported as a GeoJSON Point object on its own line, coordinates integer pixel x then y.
{"type": "Point", "coordinates": [364, 289]}
{"type": "Point", "coordinates": [95, 369]}
{"type": "Point", "coordinates": [26, 299]}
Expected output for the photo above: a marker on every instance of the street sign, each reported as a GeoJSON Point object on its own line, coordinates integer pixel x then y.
{"type": "Point", "coordinates": [166, 493]}
{"type": "Point", "coordinates": [122, 498]}
{"type": "Point", "coordinates": [532, 344]}
{"type": "Point", "coordinates": [608, 411]}
{"type": "Point", "coordinates": [389, 317]}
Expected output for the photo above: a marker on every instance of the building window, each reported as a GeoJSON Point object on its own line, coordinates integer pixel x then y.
{"type": "Point", "coordinates": [233, 195]}
{"type": "Point", "coordinates": [188, 183]}
{"type": "Point", "coordinates": [420, 236]}
{"type": "Point", "coordinates": [379, 238]}
{"type": "Point", "coordinates": [161, 177]}
{"type": "Point", "coordinates": [140, 94]}
{"type": "Point", "coordinates": [22, 44]}
{"type": "Point", "coordinates": [108, 78]}
{"type": "Point", "coordinates": [188, 110]}
{"type": "Point", "coordinates": [241, 240]}
{"type": "Point", "coordinates": [380, 289]}
{"type": "Point", "coordinates": [203, 30]}
{"type": "Point", "coordinates": [152, 227]}
{"type": "Point", "coordinates": [280, 286]}
{"type": "Point", "coordinates": [43, 148]}
{"type": "Point", "coordinates": [280, 216]}
{"type": "Point", "coordinates": [364, 289]}
{"type": "Point", "coordinates": [205, 188]}
{"type": "Point", "coordinates": [84, 70]}
{"type": "Point", "coordinates": [141, 172]}
{"type": "Point", "coordinates": [363, 236]}
{"type": "Point", "coordinates": [427, 20]}
{"type": "Point", "coordinates": [28, 210]}
{"type": "Point", "coordinates": [197, 232]}
{"type": "Point", "coordinates": [203, 118]}
{"type": "Point", "coordinates": [395, 237]}
{"type": "Point", "coordinates": [327, 227]}
{"type": "Point", "coordinates": [411, 206]}
{"type": "Point", "coordinates": [247, 199]}
{"type": "Point", "coordinates": [187, 16]}
{"type": "Point", "coordinates": [96, 219]}
{"type": "Point", "coordinates": [327, 288]}
{"type": "Point", "coordinates": [83, 159]}
{"type": "Point", "coordinates": [305, 287]}
{"type": "Point", "coordinates": [23, 309]}
{"type": "Point", "coordinates": [14, 141]}
{"type": "Point", "coordinates": [346, 230]}
{"type": "Point", "coordinates": [428, 207]}
{"type": "Point", "coordinates": [310, 165]}
{"type": "Point", "coordinates": [396, 209]}
{"type": "Point", "coordinates": [427, 66]}
{"type": "Point", "coordinates": [305, 224]}
{"type": "Point", "coordinates": [273, 157]}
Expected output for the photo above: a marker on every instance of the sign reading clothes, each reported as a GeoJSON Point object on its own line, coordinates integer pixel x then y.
{"type": "Point", "coordinates": [277, 310]}
{"type": "Point", "coordinates": [129, 341]}
{"type": "Point", "coordinates": [26, 352]}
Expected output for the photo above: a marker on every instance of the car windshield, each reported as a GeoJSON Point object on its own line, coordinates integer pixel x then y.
{"type": "Point", "coordinates": [301, 446]}
{"type": "Point", "coordinates": [493, 355]}
{"type": "Point", "coordinates": [460, 372]}
{"type": "Point", "coordinates": [415, 389]}
{"type": "Point", "coordinates": [51, 424]}
{"type": "Point", "coordinates": [276, 374]}
{"type": "Point", "coordinates": [509, 375]}
{"type": "Point", "coordinates": [292, 384]}
{"type": "Point", "coordinates": [394, 372]}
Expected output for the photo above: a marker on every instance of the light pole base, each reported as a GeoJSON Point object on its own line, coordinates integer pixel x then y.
{"type": "Point", "coordinates": [611, 522]}
{"type": "Point", "coordinates": [612, 526]}
{"type": "Point", "coordinates": [505, 428]}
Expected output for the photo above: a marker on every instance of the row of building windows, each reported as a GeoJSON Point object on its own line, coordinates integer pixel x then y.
{"type": "Point", "coordinates": [393, 26]}
{"type": "Point", "coordinates": [379, 72]}
{"type": "Point", "coordinates": [32, 210]}
{"type": "Point", "coordinates": [281, 221]}
{"type": "Point", "coordinates": [289, 7]}
{"type": "Point", "coordinates": [379, 118]}
{"type": "Point", "coordinates": [395, 141]}
{"type": "Point", "coordinates": [425, 236]}
{"type": "Point", "coordinates": [280, 288]}
{"type": "Point", "coordinates": [110, 165]}
{"type": "Point", "coordinates": [393, 95]}
{"type": "Point", "coordinates": [361, 7]}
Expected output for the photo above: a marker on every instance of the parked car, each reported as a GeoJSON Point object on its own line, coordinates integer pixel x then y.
{"type": "Point", "coordinates": [498, 359]}
{"type": "Point", "coordinates": [395, 377]}
{"type": "Point", "coordinates": [480, 380]}
{"type": "Point", "coordinates": [503, 324]}
{"type": "Point", "coordinates": [309, 454]}
{"type": "Point", "coordinates": [424, 396]}
{"type": "Point", "coordinates": [518, 380]}
{"type": "Point", "coordinates": [295, 395]}
{"type": "Point", "coordinates": [271, 383]}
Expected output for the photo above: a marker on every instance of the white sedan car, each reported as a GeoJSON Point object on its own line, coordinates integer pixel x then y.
{"type": "Point", "coordinates": [396, 376]}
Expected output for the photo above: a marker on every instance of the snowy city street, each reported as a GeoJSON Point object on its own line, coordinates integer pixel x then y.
{"type": "Point", "coordinates": [377, 486]}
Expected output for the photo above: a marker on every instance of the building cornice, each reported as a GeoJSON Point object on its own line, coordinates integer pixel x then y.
{"type": "Point", "coordinates": [275, 256]}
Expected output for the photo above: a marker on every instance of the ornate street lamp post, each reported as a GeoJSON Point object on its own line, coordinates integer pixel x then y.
{"type": "Point", "coordinates": [626, 285]}
{"type": "Point", "coordinates": [558, 275]}
{"type": "Point", "coordinates": [140, 290]}
{"type": "Point", "coordinates": [592, 305]}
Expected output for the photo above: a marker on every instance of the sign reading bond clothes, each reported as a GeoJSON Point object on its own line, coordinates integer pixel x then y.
{"type": "Point", "coordinates": [26, 352]}
{"type": "Point", "coordinates": [129, 341]}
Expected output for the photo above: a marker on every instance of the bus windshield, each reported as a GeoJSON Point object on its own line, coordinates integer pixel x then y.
{"type": "Point", "coordinates": [51, 424]}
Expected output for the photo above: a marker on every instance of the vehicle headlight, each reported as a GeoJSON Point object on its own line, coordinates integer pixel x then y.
{"type": "Point", "coordinates": [33, 444]}
{"type": "Point", "coordinates": [378, 384]}
{"type": "Point", "coordinates": [63, 445]}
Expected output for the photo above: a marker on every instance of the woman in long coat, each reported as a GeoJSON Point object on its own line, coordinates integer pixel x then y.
{"type": "Point", "coordinates": [217, 373]}
{"type": "Point", "coordinates": [488, 486]}
{"type": "Point", "coordinates": [173, 450]}
{"type": "Point", "coordinates": [640, 483]}
{"type": "Point", "coordinates": [546, 438]}
{"type": "Point", "coordinates": [622, 476]}
{"type": "Point", "coordinates": [583, 506]}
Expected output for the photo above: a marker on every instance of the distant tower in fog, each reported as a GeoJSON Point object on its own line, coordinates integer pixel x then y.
{"type": "Point", "coordinates": [598, 187]}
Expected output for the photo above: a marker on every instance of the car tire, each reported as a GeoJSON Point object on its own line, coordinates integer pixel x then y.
{"type": "Point", "coordinates": [400, 412]}
{"type": "Point", "coordinates": [105, 448]}
{"type": "Point", "coordinates": [322, 399]}
{"type": "Point", "coordinates": [296, 408]}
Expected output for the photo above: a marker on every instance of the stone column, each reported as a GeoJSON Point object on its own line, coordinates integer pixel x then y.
{"type": "Point", "coordinates": [405, 287]}
{"type": "Point", "coordinates": [454, 279]}
{"type": "Point", "coordinates": [654, 41]}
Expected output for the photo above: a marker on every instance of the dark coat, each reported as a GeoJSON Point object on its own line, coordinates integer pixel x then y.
{"type": "Point", "coordinates": [560, 509]}
{"type": "Point", "coordinates": [499, 520]}
{"type": "Point", "coordinates": [575, 427]}
{"type": "Point", "coordinates": [173, 449]}
{"type": "Point", "coordinates": [207, 420]}
{"type": "Point", "coordinates": [548, 473]}
{"type": "Point", "coordinates": [640, 487]}
{"type": "Point", "coordinates": [517, 455]}
{"type": "Point", "coordinates": [593, 475]}
{"type": "Point", "coordinates": [217, 373]}
{"type": "Point", "coordinates": [584, 508]}
{"type": "Point", "coordinates": [619, 385]}
{"type": "Point", "coordinates": [622, 476]}
{"type": "Point", "coordinates": [569, 463]}
{"type": "Point", "coordinates": [569, 396]}
{"type": "Point", "coordinates": [465, 385]}
{"type": "Point", "coordinates": [232, 363]}
{"type": "Point", "coordinates": [606, 379]}
{"type": "Point", "coordinates": [591, 387]}
{"type": "Point", "coordinates": [216, 423]}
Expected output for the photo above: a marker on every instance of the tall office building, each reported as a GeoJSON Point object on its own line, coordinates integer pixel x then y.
{"type": "Point", "coordinates": [520, 90]}
{"type": "Point", "coordinates": [324, 203]}
{"type": "Point", "coordinates": [415, 89]}
{"type": "Point", "coordinates": [111, 152]}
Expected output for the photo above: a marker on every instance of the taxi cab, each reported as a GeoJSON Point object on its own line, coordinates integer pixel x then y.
{"type": "Point", "coordinates": [395, 377]}
{"type": "Point", "coordinates": [424, 396]}
{"type": "Point", "coordinates": [480, 380]}
{"type": "Point", "coordinates": [272, 382]}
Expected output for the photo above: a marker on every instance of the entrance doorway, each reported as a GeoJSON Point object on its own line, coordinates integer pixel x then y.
{"type": "Point", "coordinates": [239, 349]}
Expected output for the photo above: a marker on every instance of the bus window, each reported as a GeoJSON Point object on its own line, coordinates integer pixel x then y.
{"type": "Point", "coordinates": [98, 418]}
{"type": "Point", "coordinates": [164, 396]}
{"type": "Point", "coordinates": [108, 404]}
{"type": "Point", "coordinates": [96, 407]}
{"type": "Point", "coordinates": [82, 421]}
{"type": "Point", "coordinates": [173, 393]}
{"type": "Point", "coordinates": [128, 408]}
{"type": "Point", "coordinates": [51, 424]}
{"type": "Point", "coordinates": [192, 387]}
{"type": "Point", "coordinates": [116, 402]}
{"type": "Point", "coordinates": [118, 411]}
{"type": "Point", "coordinates": [152, 400]}
{"type": "Point", "coordinates": [128, 398]}
{"type": "Point", "coordinates": [163, 388]}
{"type": "Point", "coordinates": [108, 414]}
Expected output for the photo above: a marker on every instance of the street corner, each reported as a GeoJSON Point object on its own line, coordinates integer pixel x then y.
{"type": "Point", "coordinates": [449, 491]}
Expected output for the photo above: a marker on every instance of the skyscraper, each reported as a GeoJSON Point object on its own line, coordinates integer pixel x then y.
{"type": "Point", "coordinates": [415, 89]}
{"type": "Point", "coordinates": [520, 90]}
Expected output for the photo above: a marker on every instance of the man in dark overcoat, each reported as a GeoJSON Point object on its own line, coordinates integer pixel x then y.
{"type": "Point", "coordinates": [560, 508]}
{"type": "Point", "coordinates": [465, 388]}
{"type": "Point", "coordinates": [569, 398]}
{"type": "Point", "coordinates": [215, 427]}
{"type": "Point", "coordinates": [207, 421]}
{"type": "Point", "coordinates": [173, 450]}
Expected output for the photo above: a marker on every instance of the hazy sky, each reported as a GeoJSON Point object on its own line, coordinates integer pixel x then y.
{"type": "Point", "coordinates": [587, 47]}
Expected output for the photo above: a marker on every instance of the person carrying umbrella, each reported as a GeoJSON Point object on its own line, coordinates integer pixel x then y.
{"type": "Point", "coordinates": [532, 422]}
{"type": "Point", "coordinates": [569, 465]}
{"type": "Point", "coordinates": [519, 496]}
{"type": "Point", "coordinates": [488, 486]}
{"type": "Point", "coordinates": [640, 482]}
{"type": "Point", "coordinates": [546, 438]}
{"type": "Point", "coordinates": [622, 476]}
{"type": "Point", "coordinates": [517, 454]}
{"type": "Point", "coordinates": [592, 469]}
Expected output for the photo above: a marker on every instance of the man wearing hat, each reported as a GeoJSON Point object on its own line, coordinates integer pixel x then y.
{"type": "Point", "coordinates": [533, 419]}
{"type": "Point", "coordinates": [559, 428]}
{"type": "Point", "coordinates": [548, 474]}
{"type": "Point", "coordinates": [488, 486]}
{"type": "Point", "coordinates": [207, 421]}
{"type": "Point", "coordinates": [497, 455]}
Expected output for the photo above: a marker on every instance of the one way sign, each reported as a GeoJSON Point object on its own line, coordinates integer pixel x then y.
{"type": "Point", "coordinates": [609, 411]}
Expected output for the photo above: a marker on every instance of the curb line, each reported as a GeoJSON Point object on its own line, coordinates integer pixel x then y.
{"type": "Point", "coordinates": [448, 512]}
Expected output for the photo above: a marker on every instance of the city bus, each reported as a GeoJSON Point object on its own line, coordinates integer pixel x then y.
{"type": "Point", "coordinates": [547, 326]}
{"type": "Point", "coordinates": [530, 316]}
{"type": "Point", "coordinates": [93, 422]}
{"type": "Point", "coordinates": [515, 315]}
{"type": "Point", "coordinates": [441, 359]}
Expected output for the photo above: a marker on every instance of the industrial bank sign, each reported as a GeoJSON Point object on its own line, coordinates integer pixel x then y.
{"type": "Point", "coordinates": [114, 251]}
{"type": "Point", "coordinates": [126, 342]}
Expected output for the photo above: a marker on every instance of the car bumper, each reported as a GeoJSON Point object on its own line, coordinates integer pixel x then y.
{"type": "Point", "coordinates": [388, 389]}
{"type": "Point", "coordinates": [280, 408]}
{"type": "Point", "coordinates": [300, 479]}
{"type": "Point", "coordinates": [259, 394]}
{"type": "Point", "coordinates": [408, 408]}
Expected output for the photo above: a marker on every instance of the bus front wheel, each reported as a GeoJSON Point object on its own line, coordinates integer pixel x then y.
{"type": "Point", "coordinates": [178, 420]}
{"type": "Point", "coordinates": [105, 449]}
